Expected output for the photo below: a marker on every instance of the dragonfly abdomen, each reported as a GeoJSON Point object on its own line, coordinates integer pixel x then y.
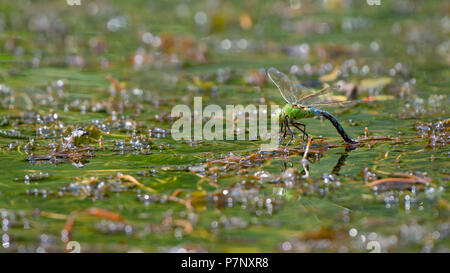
{"type": "Point", "coordinates": [336, 124]}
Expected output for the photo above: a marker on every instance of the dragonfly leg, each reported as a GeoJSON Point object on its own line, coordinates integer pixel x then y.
{"type": "Point", "coordinates": [290, 130]}
{"type": "Point", "coordinates": [305, 134]}
{"type": "Point", "coordinates": [282, 134]}
{"type": "Point", "coordinates": [281, 138]}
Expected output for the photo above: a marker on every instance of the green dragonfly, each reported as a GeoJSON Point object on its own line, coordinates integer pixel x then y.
{"type": "Point", "coordinates": [301, 104]}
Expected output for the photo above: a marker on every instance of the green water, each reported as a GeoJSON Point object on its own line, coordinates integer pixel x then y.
{"type": "Point", "coordinates": [55, 58]}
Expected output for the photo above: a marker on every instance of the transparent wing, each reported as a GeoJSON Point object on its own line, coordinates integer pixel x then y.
{"type": "Point", "coordinates": [317, 98]}
{"type": "Point", "coordinates": [288, 89]}
{"type": "Point", "coordinates": [334, 103]}
{"type": "Point", "coordinates": [297, 93]}
{"type": "Point", "coordinates": [314, 97]}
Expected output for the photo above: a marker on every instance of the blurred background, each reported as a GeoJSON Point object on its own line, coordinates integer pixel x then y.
{"type": "Point", "coordinates": [86, 90]}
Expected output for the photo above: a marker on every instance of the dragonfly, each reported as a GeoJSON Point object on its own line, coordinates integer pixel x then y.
{"type": "Point", "coordinates": [301, 104]}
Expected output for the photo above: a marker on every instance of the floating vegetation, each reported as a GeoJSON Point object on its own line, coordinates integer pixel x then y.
{"type": "Point", "coordinates": [79, 157]}
{"type": "Point", "coordinates": [98, 188]}
{"type": "Point", "coordinates": [136, 144]}
{"type": "Point", "coordinates": [34, 177]}
{"type": "Point", "coordinates": [321, 240]}
{"type": "Point", "coordinates": [110, 227]}
{"type": "Point", "coordinates": [401, 189]}
{"type": "Point", "coordinates": [330, 183]}
{"type": "Point", "coordinates": [437, 133]}
{"type": "Point", "coordinates": [169, 51]}
{"type": "Point", "coordinates": [245, 194]}
{"type": "Point", "coordinates": [87, 154]}
{"type": "Point", "coordinates": [419, 107]}
{"type": "Point", "coordinates": [12, 134]}
{"type": "Point", "coordinates": [226, 165]}
{"type": "Point", "coordinates": [405, 182]}
{"type": "Point", "coordinates": [116, 124]}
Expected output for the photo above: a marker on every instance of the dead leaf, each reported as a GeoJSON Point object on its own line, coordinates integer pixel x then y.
{"type": "Point", "coordinates": [106, 214]}
{"type": "Point", "coordinates": [398, 183]}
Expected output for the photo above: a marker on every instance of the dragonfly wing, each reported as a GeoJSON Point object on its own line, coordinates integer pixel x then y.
{"type": "Point", "coordinates": [287, 88]}
{"type": "Point", "coordinates": [333, 103]}
{"type": "Point", "coordinates": [309, 99]}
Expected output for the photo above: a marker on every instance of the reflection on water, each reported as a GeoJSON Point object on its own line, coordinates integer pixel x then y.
{"type": "Point", "coordinates": [85, 117]}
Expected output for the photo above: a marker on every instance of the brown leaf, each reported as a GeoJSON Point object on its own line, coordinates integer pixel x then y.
{"type": "Point", "coordinates": [177, 192]}
{"type": "Point", "coordinates": [323, 233]}
{"type": "Point", "coordinates": [185, 224]}
{"type": "Point", "coordinates": [398, 183]}
{"type": "Point", "coordinates": [106, 214]}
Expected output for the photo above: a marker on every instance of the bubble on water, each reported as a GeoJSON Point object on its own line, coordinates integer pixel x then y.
{"type": "Point", "coordinates": [407, 202]}
{"type": "Point", "coordinates": [365, 70]}
{"type": "Point", "coordinates": [392, 72]}
{"type": "Point", "coordinates": [286, 246]}
{"type": "Point", "coordinates": [27, 179]}
{"type": "Point", "coordinates": [40, 250]}
{"type": "Point", "coordinates": [242, 44]}
{"type": "Point", "coordinates": [5, 240]}
{"type": "Point", "coordinates": [374, 46]}
{"type": "Point", "coordinates": [372, 236]}
{"type": "Point", "coordinates": [435, 235]}
{"type": "Point", "coordinates": [225, 44]}
{"type": "Point", "coordinates": [178, 233]}
{"type": "Point", "coordinates": [353, 232]}
{"type": "Point", "coordinates": [147, 38]}
{"type": "Point", "coordinates": [5, 224]}
{"type": "Point", "coordinates": [93, 8]}
{"type": "Point", "coordinates": [157, 41]}
{"type": "Point", "coordinates": [363, 238]}
{"type": "Point", "coordinates": [116, 23]}
{"type": "Point", "coordinates": [214, 224]}
{"type": "Point", "coordinates": [302, 51]}
{"type": "Point", "coordinates": [201, 18]}
{"type": "Point", "coordinates": [295, 4]}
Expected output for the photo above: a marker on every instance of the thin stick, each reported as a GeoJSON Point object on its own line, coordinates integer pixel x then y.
{"type": "Point", "coordinates": [305, 155]}
{"type": "Point", "coordinates": [135, 182]}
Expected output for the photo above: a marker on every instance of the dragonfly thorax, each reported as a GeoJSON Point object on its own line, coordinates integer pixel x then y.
{"type": "Point", "coordinates": [296, 111]}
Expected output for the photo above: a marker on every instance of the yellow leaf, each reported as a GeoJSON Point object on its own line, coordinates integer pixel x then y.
{"type": "Point", "coordinates": [375, 83]}
{"type": "Point", "coordinates": [330, 77]}
{"type": "Point", "coordinates": [245, 21]}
